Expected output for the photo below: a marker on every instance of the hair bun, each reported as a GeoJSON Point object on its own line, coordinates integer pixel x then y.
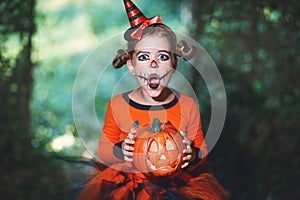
{"type": "Point", "coordinates": [185, 50]}
{"type": "Point", "coordinates": [120, 59]}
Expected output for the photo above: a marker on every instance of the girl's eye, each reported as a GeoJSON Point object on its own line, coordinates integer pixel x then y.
{"type": "Point", "coordinates": [163, 57]}
{"type": "Point", "coordinates": [143, 57]}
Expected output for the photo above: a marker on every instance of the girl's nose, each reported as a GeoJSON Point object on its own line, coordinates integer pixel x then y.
{"type": "Point", "coordinates": [154, 64]}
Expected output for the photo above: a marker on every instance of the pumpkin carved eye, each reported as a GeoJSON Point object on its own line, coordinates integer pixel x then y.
{"type": "Point", "coordinates": [169, 145]}
{"type": "Point", "coordinates": [153, 146]}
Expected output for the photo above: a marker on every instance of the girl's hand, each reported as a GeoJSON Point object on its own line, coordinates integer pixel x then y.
{"type": "Point", "coordinates": [188, 151]}
{"type": "Point", "coordinates": [127, 146]}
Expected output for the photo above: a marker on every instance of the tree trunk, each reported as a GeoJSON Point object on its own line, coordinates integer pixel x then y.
{"type": "Point", "coordinates": [15, 88]}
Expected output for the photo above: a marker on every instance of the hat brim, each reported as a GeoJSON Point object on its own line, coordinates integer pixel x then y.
{"type": "Point", "coordinates": [128, 32]}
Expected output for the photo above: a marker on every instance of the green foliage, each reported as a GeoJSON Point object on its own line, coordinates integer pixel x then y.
{"type": "Point", "coordinates": [255, 46]}
{"type": "Point", "coordinates": [67, 33]}
{"type": "Point", "coordinates": [23, 171]}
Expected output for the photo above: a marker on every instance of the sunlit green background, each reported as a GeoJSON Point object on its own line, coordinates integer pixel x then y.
{"type": "Point", "coordinates": [255, 45]}
{"type": "Point", "coordinates": [67, 32]}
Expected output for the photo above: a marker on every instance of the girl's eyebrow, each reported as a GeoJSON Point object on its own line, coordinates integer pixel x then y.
{"type": "Point", "coordinates": [165, 51]}
{"type": "Point", "coordinates": [142, 51]}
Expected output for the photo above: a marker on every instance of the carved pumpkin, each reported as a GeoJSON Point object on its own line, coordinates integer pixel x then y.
{"type": "Point", "coordinates": [158, 149]}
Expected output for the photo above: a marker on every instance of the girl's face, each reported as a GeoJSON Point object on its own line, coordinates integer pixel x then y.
{"type": "Point", "coordinates": [153, 63]}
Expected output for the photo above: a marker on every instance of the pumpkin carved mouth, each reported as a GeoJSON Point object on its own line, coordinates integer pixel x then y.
{"type": "Point", "coordinates": [167, 165]}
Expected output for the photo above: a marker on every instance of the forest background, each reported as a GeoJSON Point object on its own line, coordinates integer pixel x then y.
{"type": "Point", "coordinates": [255, 45]}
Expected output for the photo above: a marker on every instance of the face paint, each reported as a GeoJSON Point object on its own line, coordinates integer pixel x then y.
{"type": "Point", "coordinates": [154, 80]}
{"type": "Point", "coordinates": [152, 64]}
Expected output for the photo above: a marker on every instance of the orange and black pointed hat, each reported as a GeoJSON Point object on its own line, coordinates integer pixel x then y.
{"type": "Point", "coordinates": [135, 16]}
{"type": "Point", "coordinates": [138, 21]}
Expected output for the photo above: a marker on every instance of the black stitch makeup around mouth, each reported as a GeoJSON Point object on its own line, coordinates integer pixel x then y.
{"type": "Point", "coordinates": [147, 79]}
{"type": "Point", "coordinates": [153, 81]}
{"type": "Point", "coordinates": [142, 77]}
{"type": "Point", "coordinates": [165, 75]}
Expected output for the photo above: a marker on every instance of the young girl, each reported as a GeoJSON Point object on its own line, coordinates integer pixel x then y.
{"type": "Point", "coordinates": [151, 57]}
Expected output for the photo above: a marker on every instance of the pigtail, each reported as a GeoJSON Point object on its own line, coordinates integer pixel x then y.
{"type": "Point", "coordinates": [120, 59]}
{"type": "Point", "coordinates": [185, 50]}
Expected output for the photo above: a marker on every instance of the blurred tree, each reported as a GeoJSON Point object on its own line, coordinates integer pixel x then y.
{"type": "Point", "coordinates": [255, 45]}
{"type": "Point", "coordinates": [16, 30]}
{"type": "Point", "coordinates": [24, 171]}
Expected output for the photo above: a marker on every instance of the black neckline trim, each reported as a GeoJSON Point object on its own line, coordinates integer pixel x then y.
{"type": "Point", "coordinates": [151, 107]}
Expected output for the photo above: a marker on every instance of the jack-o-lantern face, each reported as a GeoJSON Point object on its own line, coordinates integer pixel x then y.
{"type": "Point", "coordinates": [158, 149]}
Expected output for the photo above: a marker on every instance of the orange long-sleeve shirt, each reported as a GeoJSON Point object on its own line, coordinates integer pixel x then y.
{"type": "Point", "coordinates": [122, 112]}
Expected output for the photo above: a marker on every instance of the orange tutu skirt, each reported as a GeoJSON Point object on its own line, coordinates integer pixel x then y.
{"type": "Point", "coordinates": [120, 185]}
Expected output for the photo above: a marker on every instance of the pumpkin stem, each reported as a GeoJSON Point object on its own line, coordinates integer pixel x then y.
{"type": "Point", "coordinates": [155, 126]}
{"type": "Point", "coordinates": [136, 124]}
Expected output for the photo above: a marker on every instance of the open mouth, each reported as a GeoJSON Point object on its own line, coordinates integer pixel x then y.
{"type": "Point", "coordinates": [153, 80]}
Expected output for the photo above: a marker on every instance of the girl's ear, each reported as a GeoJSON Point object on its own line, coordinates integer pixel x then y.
{"type": "Point", "coordinates": [130, 66]}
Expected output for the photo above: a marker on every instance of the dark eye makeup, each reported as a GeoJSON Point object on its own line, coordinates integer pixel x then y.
{"type": "Point", "coordinates": [163, 56]}
{"type": "Point", "coordinates": [143, 57]}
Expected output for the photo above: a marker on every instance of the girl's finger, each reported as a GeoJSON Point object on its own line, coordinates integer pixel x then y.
{"type": "Point", "coordinates": [183, 134]}
{"type": "Point", "coordinates": [127, 153]}
{"type": "Point", "coordinates": [187, 141]}
{"type": "Point", "coordinates": [184, 165]}
{"type": "Point", "coordinates": [187, 158]}
{"type": "Point", "coordinates": [128, 148]}
{"type": "Point", "coordinates": [129, 141]}
{"type": "Point", "coordinates": [128, 159]}
{"type": "Point", "coordinates": [187, 150]}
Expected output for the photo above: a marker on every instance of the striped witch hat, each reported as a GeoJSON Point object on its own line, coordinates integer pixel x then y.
{"type": "Point", "coordinates": [135, 16]}
{"type": "Point", "coordinates": [138, 21]}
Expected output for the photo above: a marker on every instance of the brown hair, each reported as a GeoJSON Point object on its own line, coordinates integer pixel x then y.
{"type": "Point", "coordinates": [182, 49]}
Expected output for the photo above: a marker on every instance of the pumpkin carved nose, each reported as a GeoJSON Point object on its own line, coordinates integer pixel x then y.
{"type": "Point", "coordinates": [163, 157]}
